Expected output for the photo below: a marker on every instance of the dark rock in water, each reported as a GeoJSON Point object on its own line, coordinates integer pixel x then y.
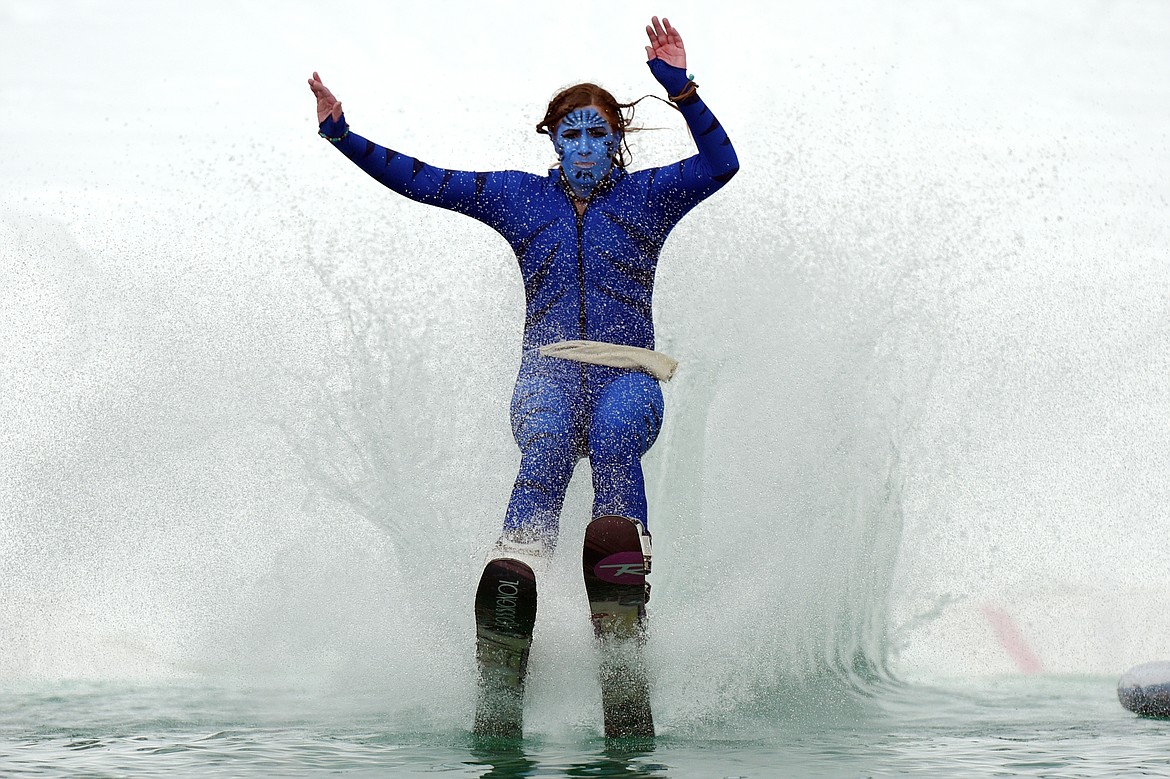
{"type": "Point", "coordinates": [1145, 689]}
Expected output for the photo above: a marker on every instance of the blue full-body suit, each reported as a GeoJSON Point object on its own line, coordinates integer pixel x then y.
{"type": "Point", "coordinates": [587, 276]}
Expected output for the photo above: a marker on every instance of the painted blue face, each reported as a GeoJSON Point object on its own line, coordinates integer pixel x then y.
{"type": "Point", "coordinates": [586, 146]}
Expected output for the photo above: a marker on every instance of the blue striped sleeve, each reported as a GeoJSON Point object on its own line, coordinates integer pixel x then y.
{"type": "Point", "coordinates": [480, 195]}
{"type": "Point", "coordinates": [691, 180]}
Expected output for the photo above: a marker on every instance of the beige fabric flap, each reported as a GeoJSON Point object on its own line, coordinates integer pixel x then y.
{"type": "Point", "coordinates": [657, 364]}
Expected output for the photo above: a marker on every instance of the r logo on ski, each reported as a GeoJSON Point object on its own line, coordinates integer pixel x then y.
{"type": "Point", "coordinates": [624, 569]}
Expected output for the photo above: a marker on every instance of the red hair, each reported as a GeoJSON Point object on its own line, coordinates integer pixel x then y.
{"type": "Point", "coordinates": [619, 115]}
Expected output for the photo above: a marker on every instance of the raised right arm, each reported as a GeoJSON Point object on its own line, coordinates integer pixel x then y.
{"type": "Point", "coordinates": [482, 196]}
{"type": "Point", "coordinates": [479, 195]}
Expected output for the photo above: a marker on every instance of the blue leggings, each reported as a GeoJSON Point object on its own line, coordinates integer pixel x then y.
{"type": "Point", "coordinates": [563, 411]}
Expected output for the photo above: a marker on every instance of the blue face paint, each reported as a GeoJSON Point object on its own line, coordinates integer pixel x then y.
{"type": "Point", "coordinates": [586, 146]}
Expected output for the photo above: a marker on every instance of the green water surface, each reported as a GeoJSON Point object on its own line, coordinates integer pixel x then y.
{"type": "Point", "coordinates": [1030, 726]}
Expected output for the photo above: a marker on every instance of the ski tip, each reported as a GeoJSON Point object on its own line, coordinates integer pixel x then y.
{"type": "Point", "coordinates": [615, 522]}
{"type": "Point", "coordinates": [504, 566]}
{"type": "Point", "coordinates": [616, 553]}
{"type": "Point", "coordinates": [505, 600]}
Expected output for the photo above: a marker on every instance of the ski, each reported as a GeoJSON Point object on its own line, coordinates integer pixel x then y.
{"type": "Point", "coordinates": [505, 613]}
{"type": "Point", "coordinates": [615, 562]}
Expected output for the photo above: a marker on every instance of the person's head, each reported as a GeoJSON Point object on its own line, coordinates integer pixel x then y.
{"type": "Point", "coordinates": [588, 129]}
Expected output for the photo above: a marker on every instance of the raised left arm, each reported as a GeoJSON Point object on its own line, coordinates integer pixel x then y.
{"type": "Point", "coordinates": [716, 161]}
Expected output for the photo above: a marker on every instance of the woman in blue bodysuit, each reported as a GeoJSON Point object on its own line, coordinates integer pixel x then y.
{"type": "Point", "coordinates": [587, 238]}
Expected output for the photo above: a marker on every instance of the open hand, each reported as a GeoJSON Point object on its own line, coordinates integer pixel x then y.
{"type": "Point", "coordinates": [327, 104]}
{"type": "Point", "coordinates": [665, 44]}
